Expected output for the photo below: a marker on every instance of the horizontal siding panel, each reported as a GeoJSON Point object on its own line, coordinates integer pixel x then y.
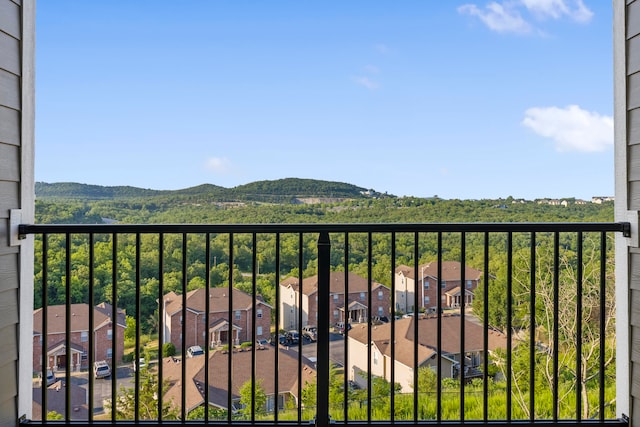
{"type": "Point", "coordinates": [633, 126]}
{"type": "Point", "coordinates": [8, 273]}
{"type": "Point", "coordinates": [634, 270]}
{"type": "Point", "coordinates": [635, 307]}
{"type": "Point", "coordinates": [633, 153]}
{"type": "Point", "coordinates": [10, 18]}
{"type": "Point", "coordinates": [633, 20]}
{"type": "Point", "coordinates": [9, 308]}
{"type": "Point", "coordinates": [635, 344]}
{"type": "Point", "coordinates": [9, 340]}
{"type": "Point", "coordinates": [10, 57]}
{"type": "Point", "coordinates": [8, 415]}
{"type": "Point", "coordinates": [633, 58]}
{"type": "Point", "coordinates": [8, 393]}
{"type": "Point", "coordinates": [635, 380]}
{"type": "Point", "coordinates": [9, 196]}
{"type": "Point", "coordinates": [9, 162]}
{"type": "Point", "coordinates": [634, 195]}
{"type": "Point", "coordinates": [10, 126]}
{"type": "Point", "coordinates": [5, 249]}
{"type": "Point", "coordinates": [9, 90]}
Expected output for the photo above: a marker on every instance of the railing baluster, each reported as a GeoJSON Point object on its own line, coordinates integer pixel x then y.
{"type": "Point", "coordinates": [556, 308]}
{"type": "Point", "coordinates": [463, 358]}
{"type": "Point", "coordinates": [485, 332]}
{"type": "Point", "coordinates": [509, 322]}
{"type": "Point", "coordinates": [136, 360]}
{"type": "Point", "coordinates": [324, 262]}
{"type": "Point", "coordinates": [579, 329]}
{"type": "Point", "coordinates": [603, 321]}
{"type": "Point", "coordinates": [532, 328]}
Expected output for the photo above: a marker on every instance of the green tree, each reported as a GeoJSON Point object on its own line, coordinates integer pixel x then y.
{"type": "Point", "coordinates": [250, 399]}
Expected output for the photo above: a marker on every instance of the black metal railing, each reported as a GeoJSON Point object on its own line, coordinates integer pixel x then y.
{"type": "Point", "coordinates": [416, 323]}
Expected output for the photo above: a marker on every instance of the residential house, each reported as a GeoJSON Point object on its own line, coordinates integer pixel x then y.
{"type": "Point", "coordinates": [219, 329]}
{"type": "Point", "coordinates": [218, 377]}
{"type": "Point", "coordinates": [293, 298]}
{"type": "Point", "coordinates": [56, 338]}
{"type": "Point", "coordinates": [56, 401]}
{"type": "Point", "coordinates": [450, 281]}
{"type": "Point", "coordinates": [427, 349]}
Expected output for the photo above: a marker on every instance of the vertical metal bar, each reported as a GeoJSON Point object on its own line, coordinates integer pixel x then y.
{"type": "Point", "coordinates": [463, 358]}
{"type": "Point", "coordinates": [392, 399]}
{"type": "Point", "coordinates": [439, 330]}
{"type": "Point", "coordinates": [136, 360]}
{"type": "Point", "coordinates": [369, 304]}
{"type": "Point", "coordinates": [509, 320]}
{"type": "Point", "coordinates": [603, 321]}
{"type": "Point", "coordinates": [230, 337]}
{"type": "Point", "coordinates": [324, 260]}
{"type": "Point", "coordinates": [299, 318]}
{"type": "Point", "coordinates": [45, 325]}
{"type": "Point", "coordinates": [90, 338]}
{"type": "Point", "coordinates": [183, 334]}
{"type": "Point", "coordinates": [161, 325]}
{"type": "Point", "coordinates": [532, 330]}
{"type": "Point", "coordinates": [207, 310]}
{"type": "Point", "coordinates": [485, 331]}
{"type": "Point", "coordinates": [346, 330]}
{"type": "Point", "coordinates": [67, 339]}
{"type": "Point", "coordinates": [254, 305]}
{"type": "Point", "coordinates": [556, 298]}
{"type": "Point", "coordinates": [579, 287]}
{"type": "Point", "coordinates": [277, 318]}
{"type": "Point", "coordinates": [416, 258]}
{"type": "Point", "coordinates": [114, 320]}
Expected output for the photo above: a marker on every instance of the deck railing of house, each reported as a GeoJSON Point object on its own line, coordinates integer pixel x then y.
{"type": "Point", "coordinates": [535, 343]}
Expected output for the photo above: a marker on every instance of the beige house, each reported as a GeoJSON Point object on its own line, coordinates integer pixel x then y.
{"type": "Point", "coordinates": [427, 283]}
{"type": "Point", "coordinates": [404, 363]}
{"type": "Point", "coordinates": [354, 309]}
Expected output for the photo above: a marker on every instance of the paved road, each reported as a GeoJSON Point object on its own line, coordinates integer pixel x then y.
{"type": "Point", "coordinates": [336, 349]}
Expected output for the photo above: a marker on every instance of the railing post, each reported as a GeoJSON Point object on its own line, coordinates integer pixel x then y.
{"type": "Point", "coordinates": [324, 293]}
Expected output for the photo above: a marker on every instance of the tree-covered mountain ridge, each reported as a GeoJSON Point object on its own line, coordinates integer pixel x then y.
{"type": "Point", "coordinates": [286, 190]}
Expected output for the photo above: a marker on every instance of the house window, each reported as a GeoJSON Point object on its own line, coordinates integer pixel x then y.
{"type": "Point", "coordinates": [375, 357]}
{"type": "Point", "coordinates": [380, 311]}
{"type": "Point", "coordinates": [259, 330]}
{"type": "Point", "coordinates": [84, 336]}
{"type": "Point", "coordinates": [443, 298]}
{"type": "Point", "coordinates": [427, 300]}
{"type": "Point", "coordinates": [361, 296]}
{"type": "Point", "coordinates": [109, 334]}
{"type": "Point", "coordinates": [109, 352]}
{"type": "Point", "coordinates": [380, 295]}
{"type": "Point", "coordinates": [335, 314]}
{"type": "Point", "coordinates": [335, 297]}
{"type": "Point", "coordinates": [83, 356]}
{"type": "Point", "coordinates": [426, 284]}
{"type": "Point", "coordinates": [259, 313]}
{"type": "Point", "coordinates": [469, 284]}
{"type": "Point", "coordinates": [443, 284]}
{"type": "Point", "coordinates": [237, 314]}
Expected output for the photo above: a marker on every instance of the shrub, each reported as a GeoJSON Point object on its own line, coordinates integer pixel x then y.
{"type": "Point", "coordinates": [168, 349]}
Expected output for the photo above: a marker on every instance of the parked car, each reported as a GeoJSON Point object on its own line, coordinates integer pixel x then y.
{"type": "Point", "coordinates": [50, 379]}
{"type": "Point", "coordinates": [292, 338]}
{"type": "Point", "coordinates": [340, 327]}
{"type": "Point", "coordinates": [310, 333]}
{"type": "Point", "coordinates": [262, 343]}
{"type": "Point", "coordinates": [141, 363]}
{"type": "Point", "coordinates": [195, 350]}
{"type": "Point", "coordinates": [101, 369]}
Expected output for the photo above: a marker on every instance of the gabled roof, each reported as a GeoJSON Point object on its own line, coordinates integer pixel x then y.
{"type": "Point", "coordinates": [56, 318]}
{"type": "Point", "coordinates": [337, 283]}
{"type": "Point", "coordinates": [450, 271]}
{"type": "Point", "coordinates": [428, 337]}
{"type": "Point", "coordinates": [287, 372]}
{"type": "Point", "coordinates": [218, 301]}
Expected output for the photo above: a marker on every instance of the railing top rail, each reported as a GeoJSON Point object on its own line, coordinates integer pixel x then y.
{"type": "Point", "coordinates": [624, 227]}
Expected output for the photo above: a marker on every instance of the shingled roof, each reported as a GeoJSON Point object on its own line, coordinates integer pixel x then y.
{"type": "Point", "coordinates": [450, 271]}
{"type": "Point", "coordinates": [56, 318]}
{"type": "Point", "coordinates": [218, 300]}
{"type": "Point", "coordinates": [337, 283]}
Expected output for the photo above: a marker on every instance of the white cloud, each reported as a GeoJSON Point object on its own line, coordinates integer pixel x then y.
{"type": "Point", "coordinates": [556, 9]}
{"type": "Point", "coordinates": [507, 16]}
{"type": "Point", "coordinates": [572, 128]}
{"type": "Point", "coordinates": [381, 48]}
{"type": "Point", "coordinates": [366, 82]}
{"type": "Point", "coordinates": [219, 165]}
{"type": "Point", "coordinates": [503, 18]}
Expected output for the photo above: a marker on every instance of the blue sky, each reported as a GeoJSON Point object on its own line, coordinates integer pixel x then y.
{"type": "Point", "coordinates": [460, 99]}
